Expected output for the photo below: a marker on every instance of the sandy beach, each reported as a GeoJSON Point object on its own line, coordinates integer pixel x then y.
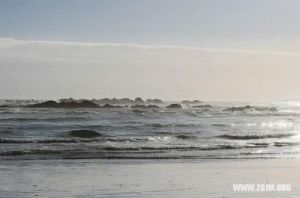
{"type": "Point", "coordinates": [145, 178]}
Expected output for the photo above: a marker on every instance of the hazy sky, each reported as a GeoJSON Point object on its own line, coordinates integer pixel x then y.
{"type": "Point", "coordinates": [171, 49]}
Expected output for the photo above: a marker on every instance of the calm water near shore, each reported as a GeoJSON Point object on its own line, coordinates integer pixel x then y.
{"type": "Point", "coordinates": [146, 178]}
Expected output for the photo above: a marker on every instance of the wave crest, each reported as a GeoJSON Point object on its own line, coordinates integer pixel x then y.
{"type": "Point", "coordinates": [254, 137]}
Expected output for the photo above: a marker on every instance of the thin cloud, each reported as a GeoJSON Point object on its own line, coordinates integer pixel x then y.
{"type": "Point", "coordinates": [11, 42]}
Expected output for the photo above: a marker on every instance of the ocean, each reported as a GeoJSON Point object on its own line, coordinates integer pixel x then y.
{"type": "Point", "coordinates": [210, 130]}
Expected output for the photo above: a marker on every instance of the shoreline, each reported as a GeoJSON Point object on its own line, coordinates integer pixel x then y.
{"type": "Point", "coordinates": [146, 178]}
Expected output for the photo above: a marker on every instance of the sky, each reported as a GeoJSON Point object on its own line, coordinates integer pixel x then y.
{"type": "Point", "coordinates": [216, 50]}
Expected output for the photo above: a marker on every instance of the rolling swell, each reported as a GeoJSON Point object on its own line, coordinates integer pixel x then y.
{"type": "Point", "coordinates": [97, 138]}
{"type": "Point", "coordinates": [57, 119]}
{"type": "Point", "coordinates": [46, 141]}
{"type": "Point", "coordinates": [177, 148]}
{"type": "Point", "coordinates": [160, 125]}
{"type": "Point", "coordinates": [255, 137]}
{"type": "Point", "coordinates": [127, 152]}
{"type": "Point", "coordinates": [127, 149]}
{"type": "Point", "coordinates": [99, 151]}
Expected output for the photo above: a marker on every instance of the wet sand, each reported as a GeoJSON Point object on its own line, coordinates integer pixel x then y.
{"type": "Point", "coordinates": [145, 178]}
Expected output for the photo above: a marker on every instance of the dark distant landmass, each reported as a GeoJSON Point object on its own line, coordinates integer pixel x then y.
{"type": "Point", "coordinates": [191, 102]}
{"type": "Point", "coordinates": [136, 103]}
{"type": "Point", "coordinates": [66, 104]}
{"type": "Point", "coordinates": [99, 103]}
{"type": "Point", "coordinates": [127, 101]}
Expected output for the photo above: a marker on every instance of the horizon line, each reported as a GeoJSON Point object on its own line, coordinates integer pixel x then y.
{"type": "Point", "coordinates": [164, 100]}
